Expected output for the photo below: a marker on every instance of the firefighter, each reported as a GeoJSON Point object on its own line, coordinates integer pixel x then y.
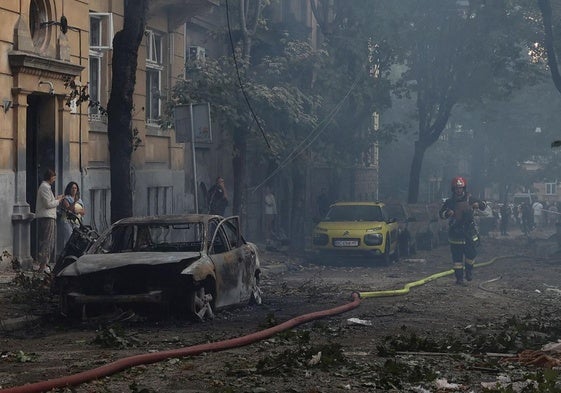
{"type": "Point", "coordinates": [462, 231]}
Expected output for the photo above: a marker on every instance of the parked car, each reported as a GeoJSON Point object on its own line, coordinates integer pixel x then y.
{"type": "Point", "coordinates": [440, 224]}
{"type": "Point", "coordinates": [357, 229]}
{"type": "Point", "coordinates": [191, 264]}
{"type": "Point", "coordinates": [426, 235]}
{"type": "Point", "coordinates": [408, 227]}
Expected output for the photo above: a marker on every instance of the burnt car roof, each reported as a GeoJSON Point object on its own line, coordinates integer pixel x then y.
{"type": "Point", "coordinates": [168, 219]}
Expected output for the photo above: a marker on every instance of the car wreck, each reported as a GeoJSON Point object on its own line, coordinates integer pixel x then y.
{"type": "Point", "coordinates": [185, 264]}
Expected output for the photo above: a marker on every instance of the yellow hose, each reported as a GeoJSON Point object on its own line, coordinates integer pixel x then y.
{"type": "Point", "coordinates": [408, 286]}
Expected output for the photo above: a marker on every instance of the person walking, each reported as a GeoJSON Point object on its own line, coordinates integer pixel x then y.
{"type": "Point", "coordinates": [217, 197]}
{"type": "Point", "coordinates": [462, 231]}
{"type": "Point", "coordinates": [537, 207]}
{"type": "Point", "coordinates": [71, 203]}
{"type": "Point", "coordinates": [505, 218]}
{"type": "Point", "coordinates": [270, 213]}
{"type": "Point", "coordinates": [45, 213]}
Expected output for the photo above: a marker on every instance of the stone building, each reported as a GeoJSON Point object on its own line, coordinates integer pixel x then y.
{"type": "Point", "coordinates": [45, 43]}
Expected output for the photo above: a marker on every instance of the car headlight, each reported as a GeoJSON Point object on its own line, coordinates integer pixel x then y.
{"type": "Point", "coordinates": [320, 239]}
{"type": "Point", "coordinates": [373, 239]}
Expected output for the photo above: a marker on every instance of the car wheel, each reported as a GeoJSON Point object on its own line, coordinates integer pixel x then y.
{"type": "Point", "coordinates": [396, 254]}
{"type": "Point", "coordinates": [69, 309]}
{"type": "Point", "coordinates": [386, 257]}
{"type": "Point", "coordinates": [405, 245]}
{"type": "Point", "coordinates": [255, 292]}
{"type": "Point", "coordinates": [200, 303]}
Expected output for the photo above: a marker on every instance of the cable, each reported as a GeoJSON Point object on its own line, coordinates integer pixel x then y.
{"type": "Point", "coordinates": [240, 79]}
{"type": "Point", "coordinates": [323, 124]}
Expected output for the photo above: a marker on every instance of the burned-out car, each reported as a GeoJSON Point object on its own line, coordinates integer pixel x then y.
{"type": "Point", "coordinates": [190, 264]}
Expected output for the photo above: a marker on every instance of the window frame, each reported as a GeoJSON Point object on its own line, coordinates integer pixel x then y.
{"type": "Point", "coordinates": [105, 43]}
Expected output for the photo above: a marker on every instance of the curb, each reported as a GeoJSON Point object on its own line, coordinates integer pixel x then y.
{"type": "Point", "coordinates": [12, 324]}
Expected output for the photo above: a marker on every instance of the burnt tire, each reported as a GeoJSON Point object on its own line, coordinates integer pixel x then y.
{"type": "Point", "coordinates": [200, 302]}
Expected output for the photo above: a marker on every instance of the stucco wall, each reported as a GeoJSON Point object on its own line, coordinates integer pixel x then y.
{"type": "Point", "coordinates": [6, 203]}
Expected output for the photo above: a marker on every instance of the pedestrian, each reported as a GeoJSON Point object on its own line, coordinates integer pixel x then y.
{"type": "Point", "coordinates": [462, 231]}
{"type": "Point", "coordinates": [505, 218]}
{"type": "Point", "coordinates": [45, 213]}
{"type": "Point", "coordinates": [270, 213]}
{"type": "Point", "coordinates": [537, 207]}
{"type": "Point", "coordinates": [72, 208]}
{"type": "Point", "coordinates": [217, 197]}
{"type": "Point", "coordinates": [527, 217]}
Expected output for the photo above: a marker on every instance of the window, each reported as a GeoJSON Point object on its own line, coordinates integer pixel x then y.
{"type": "Point", "coordinates": [94, 86]}
{"type": "Point", "coordinates": [159, 201]}
{"type": "Point", "coordinates": [101, 31]}
{"type": "Point", "coordinates": [99, 208]}
{"type": "Point", "coordinates": [550, 188]}
{"type": "Point", "coordinates": [154, 67]}
{"type": "Point", "coordinates": [39, 27]}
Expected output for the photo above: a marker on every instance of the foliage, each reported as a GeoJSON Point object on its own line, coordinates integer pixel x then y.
{"type": "Point", "coordinates": [453, 55]}
{"type": "Point", "coordinates": [114, 337]}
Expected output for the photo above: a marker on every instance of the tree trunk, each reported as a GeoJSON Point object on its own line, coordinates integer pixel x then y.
{"type": "Point", "coordinates": [415, 173]}
{"type": "Point", "coordinates": [545, 8]}
{"type": "Point", "coordinates": [239, 171]}
{"type": "Point", "coordinates": [120, 106]}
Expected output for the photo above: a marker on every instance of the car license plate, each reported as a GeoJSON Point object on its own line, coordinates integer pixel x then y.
{"type": "Point", "coordinates": [345, 243]}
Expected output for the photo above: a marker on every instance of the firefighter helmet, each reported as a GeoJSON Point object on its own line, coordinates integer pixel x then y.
{"type": "Point", "coordinates": [459, 182]}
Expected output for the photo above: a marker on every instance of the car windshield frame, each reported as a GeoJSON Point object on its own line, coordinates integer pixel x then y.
{"type": "Point", "coordinates": [151, 237]}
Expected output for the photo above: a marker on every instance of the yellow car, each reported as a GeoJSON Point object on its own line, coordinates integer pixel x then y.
{"type": "Point", "coordinates": [361, 229]}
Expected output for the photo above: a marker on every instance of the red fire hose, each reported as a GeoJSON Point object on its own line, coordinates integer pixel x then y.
{"type": "Point", "coordinates": [122, 364]}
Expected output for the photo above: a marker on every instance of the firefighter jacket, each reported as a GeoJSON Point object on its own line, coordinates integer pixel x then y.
{"type": "Point", "coordinates": [461, 225]}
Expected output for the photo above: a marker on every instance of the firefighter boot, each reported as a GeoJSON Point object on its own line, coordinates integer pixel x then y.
{"type": "Point", "coordinates": [459, 273]}
{"type": "Point", "coordinates": [469, 270]}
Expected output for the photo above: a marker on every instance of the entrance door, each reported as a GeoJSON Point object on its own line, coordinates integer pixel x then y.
{"type": "Point", "coordinates": [40, 151]}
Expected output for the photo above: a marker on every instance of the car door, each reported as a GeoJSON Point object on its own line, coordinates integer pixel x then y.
{"type": "Point", "coordinates": [227, 260]}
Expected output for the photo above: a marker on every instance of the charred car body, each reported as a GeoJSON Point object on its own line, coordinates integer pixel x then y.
{"type": "Point", "coordinates": [191, 264]}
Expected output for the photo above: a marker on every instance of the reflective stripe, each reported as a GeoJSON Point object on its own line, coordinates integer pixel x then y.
{"type": "Point", "coordinates": [456, 241]}
{"type": "Point", "coordinates": [458, 266]}
{"type": "Point", "coordinates": [470, 261]}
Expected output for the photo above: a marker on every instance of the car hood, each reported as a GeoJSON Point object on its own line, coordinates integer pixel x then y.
{"type": "Point", "coordinates": [91, 263]}
{"type": "Point", "coordinates": [350, 225]}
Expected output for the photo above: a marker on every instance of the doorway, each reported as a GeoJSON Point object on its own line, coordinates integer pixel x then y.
{"type": "Point", "coordinates": [41, 150]}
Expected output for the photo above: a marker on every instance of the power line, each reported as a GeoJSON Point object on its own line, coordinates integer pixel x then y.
{"type": "Point", "coordinates": [240, 79]}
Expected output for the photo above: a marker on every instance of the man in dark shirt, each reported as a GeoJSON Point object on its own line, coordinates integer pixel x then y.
{"type": "Point", "coordinates": [217, 197]}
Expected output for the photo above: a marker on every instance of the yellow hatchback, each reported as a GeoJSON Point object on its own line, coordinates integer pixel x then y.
{"type": "Point", "coordinates": [359, 229]}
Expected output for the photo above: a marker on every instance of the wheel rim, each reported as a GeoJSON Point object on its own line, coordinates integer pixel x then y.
{"type": "Point", "coordinates": [201, 304]}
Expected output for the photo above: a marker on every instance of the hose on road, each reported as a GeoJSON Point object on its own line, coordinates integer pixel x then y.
{"type": "Point", "coordinates": [125, 363]}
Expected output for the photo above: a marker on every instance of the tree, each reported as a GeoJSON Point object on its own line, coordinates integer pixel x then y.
{"type": "Point", "coordinates": [550, 48]}
{"type": "Point", "coordinates": [119, 127]}
{"type": "Point", "coordinates": [455, 55]}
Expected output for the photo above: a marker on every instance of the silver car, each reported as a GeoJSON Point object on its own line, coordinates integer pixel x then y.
{"type": "Point", "coordinates": [190, 264]}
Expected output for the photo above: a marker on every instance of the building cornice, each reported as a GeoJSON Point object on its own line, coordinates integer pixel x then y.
{"type": "Point", "coordinates": [32, 64]}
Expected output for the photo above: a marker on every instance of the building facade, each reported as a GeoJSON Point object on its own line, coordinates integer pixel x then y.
{"type": "Point", "coordinates": [44, 44]}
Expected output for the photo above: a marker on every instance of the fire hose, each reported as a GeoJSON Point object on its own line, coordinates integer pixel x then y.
{"type": "Point", "coordinates": [132, 361]}
{"type": "Point", "coordinates": [125, 363]}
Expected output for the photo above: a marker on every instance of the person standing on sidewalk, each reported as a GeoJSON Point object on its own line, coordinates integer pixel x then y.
{"type": "Point", "coordinates": [462, 231]}
{"type": "Point", "coordinates": [217, 197]}
{"type": "Point", "coordinates": [45, 213]}
{"type": "Point", "coordinates": [270, 213]}
{"type": "Point", "coordinates": [505, 218]}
